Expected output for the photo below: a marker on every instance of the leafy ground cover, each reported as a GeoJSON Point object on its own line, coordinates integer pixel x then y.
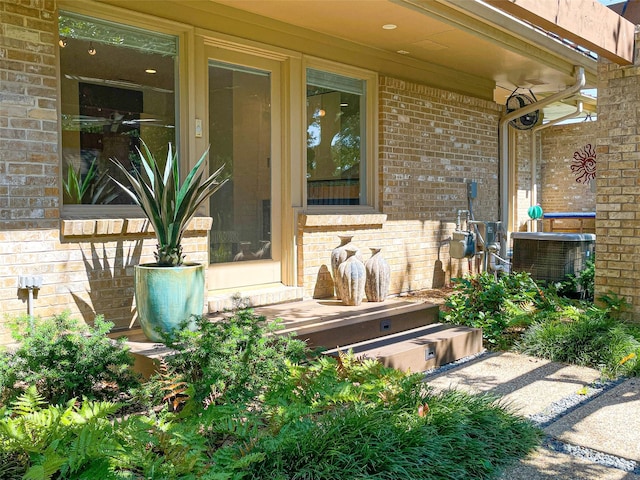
{"type": "Point", "coordinates": [591, 337]}
{"type": "Point", "coordinates": [238, 402]}
{"type": "Point", "coordinates": [548, 321]}
{"type": "Point", "coordinates": [498, 305]}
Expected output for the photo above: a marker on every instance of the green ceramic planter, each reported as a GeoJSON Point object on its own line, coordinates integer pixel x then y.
{"type": "Point", "coordinates": [167, 296]}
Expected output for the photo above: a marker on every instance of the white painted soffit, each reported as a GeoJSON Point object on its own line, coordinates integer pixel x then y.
{"type": "Point", "coordinates": [511, 33]}
{"type": "Point", "coordinates": [466, 38]}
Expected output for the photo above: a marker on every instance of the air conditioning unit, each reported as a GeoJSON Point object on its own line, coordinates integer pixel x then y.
{"type": "Point", "coordinates": [551, 256]}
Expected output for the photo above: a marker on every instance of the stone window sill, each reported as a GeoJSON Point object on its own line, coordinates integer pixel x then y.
{"type": "Point", "coordinates": [90, 227]}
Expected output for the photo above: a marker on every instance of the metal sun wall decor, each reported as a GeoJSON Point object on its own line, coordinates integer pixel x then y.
{"type": "Point", "coordinates": [584, 164]}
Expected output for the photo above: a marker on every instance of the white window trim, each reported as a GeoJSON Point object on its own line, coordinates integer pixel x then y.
{"type": "Point", "coordinates": [371, 128]}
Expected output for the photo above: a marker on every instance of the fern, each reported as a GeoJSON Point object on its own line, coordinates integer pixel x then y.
{"type": "Point", "coordinates": [100, 469]}
{"type": "Point", "coordinates": [61, 439]}
{"type": "Point", "coordinates": [177, 392]}
{"type": "Point", "coordinates": [32, 431]}
{"type": "Point", "coordinates": [94, 442]}
{"type": "Point", "coordinates": [161, 447]}
{"type": "Point", "coordinates": [51, 463]}
{"type": "Point", "coordinates": [44, 471]}
{"type": "Point", "coordinates": [92, 410]}
{"type": "Point", "coordinates": [29, 402]}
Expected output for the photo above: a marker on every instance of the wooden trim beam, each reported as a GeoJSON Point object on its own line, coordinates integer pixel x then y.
{"type": "Point", "coordinates": [585, 22]}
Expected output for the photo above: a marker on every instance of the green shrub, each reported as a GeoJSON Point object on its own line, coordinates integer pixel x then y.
{"type": "Point", "coordinates": [494, 304]}
{"type": "Point", "coordinates": [363, 420]}
{"type": "Point", "coordinates": [331, 419]}
{"type": "Point", "coordinates": [586, 279]}
{"type": "Point", "coordinates": [592, 338]}
{"type": "Point", "coordinates": [66, 359]}
{"type": "Point", "coordinates": [581, 284]}
{"type": "Point", "coordinates": [230, 360]}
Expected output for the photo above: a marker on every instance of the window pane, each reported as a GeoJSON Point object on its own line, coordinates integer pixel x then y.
{"type": "Point", "coordinates": [335, 134]}
{"type": "Point", "coordinates": [240, 137]}
{"type": "Point", "coordinates": [117, 86]}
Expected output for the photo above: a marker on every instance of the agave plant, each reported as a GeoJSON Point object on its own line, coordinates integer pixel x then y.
{"type": "Point", "coordinates": [94, 188]}
{"type": "Point", "coordinates": [168, 204]}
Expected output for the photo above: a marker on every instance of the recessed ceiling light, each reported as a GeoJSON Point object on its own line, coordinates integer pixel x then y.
{"type": "Point", "coordinates": [151, 70]}
{"type": "Point", "coordinates": [403, 52]}
{"type": "Point", "coordinates": [389, 26]}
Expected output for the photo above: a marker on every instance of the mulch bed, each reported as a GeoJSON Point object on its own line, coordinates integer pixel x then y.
{"type": "Point", "coordinates": [437, 296]}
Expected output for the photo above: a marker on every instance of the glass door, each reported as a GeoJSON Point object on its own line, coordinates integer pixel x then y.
{"type": "Point", "coordinates": [244, 134]}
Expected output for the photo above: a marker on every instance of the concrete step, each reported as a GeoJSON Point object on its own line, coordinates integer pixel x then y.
{"type": "Point", "coordinates": [419, 349]}
{"type": "Point", "coordinates": [222, 300]}
{"type": "Point", "coordinates": [328, 323]}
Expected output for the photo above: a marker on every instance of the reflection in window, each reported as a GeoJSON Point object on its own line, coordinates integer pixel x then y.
{"type": "Point", "coordinates": [240, 136]}
{"type": "Point", "coordinates": [335, 139]}
{"type": "Point", "coordinates": [117, 86]}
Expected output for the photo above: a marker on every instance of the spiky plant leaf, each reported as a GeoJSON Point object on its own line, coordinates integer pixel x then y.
{"type": "Point", "coordinates": [168, 204]}
{"type": "Point", "coordinates": [94, 189]}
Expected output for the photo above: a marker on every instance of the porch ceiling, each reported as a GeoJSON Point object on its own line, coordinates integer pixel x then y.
{"type": "Point", "coordinates": [463, 35]}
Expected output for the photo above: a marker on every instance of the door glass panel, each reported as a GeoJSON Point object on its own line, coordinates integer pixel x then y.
{"type": "Point", "coordinates": [240, 138]}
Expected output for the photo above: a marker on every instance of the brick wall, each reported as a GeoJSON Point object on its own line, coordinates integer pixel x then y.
{"type": "Point", "coordinates": [523, 180]}
{"type": "Point", "coordinates": [86, 265]}
{"type": "Point", "coordinates": [29, 178]}
{"type": "Point", "coordinates": [432, 143]}
{"type": "Point", "coordinates": [560, 190]}
{"type": "Point", "coordinates": [29, 173]}
{"type": "Point", "coordinates": [618, 184]}
{"type": "Point", "coordinates": [411, 248]}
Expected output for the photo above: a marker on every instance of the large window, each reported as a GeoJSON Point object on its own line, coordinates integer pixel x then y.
{"type": "Point", "coordinates": [336, 139]}
{"type": "Point", "coordinates": [118, 86]}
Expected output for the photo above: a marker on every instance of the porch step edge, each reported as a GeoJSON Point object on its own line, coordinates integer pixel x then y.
{"type": "Point", "coordinates": [253, 297]}
{"type": "Point", "coordinates": [421, 348]}
{"type": "Point", "coordinates": [333, 329]}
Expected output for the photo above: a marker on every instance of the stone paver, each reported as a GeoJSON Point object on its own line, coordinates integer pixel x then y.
{"type": "Point", "coordinates": [607, 423]}
{"type": "Point", "coordinates": [610, 423]}
{"type": "Point", "coordinates": [546, 464]}
{"type": "Point", "coordinates": [530, 385]}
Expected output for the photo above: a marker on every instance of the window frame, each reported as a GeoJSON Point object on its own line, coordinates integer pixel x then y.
{"type": "Point", "coordinates": [184, 35]}
{"type": "Point", "coordinates": [370, 143]}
